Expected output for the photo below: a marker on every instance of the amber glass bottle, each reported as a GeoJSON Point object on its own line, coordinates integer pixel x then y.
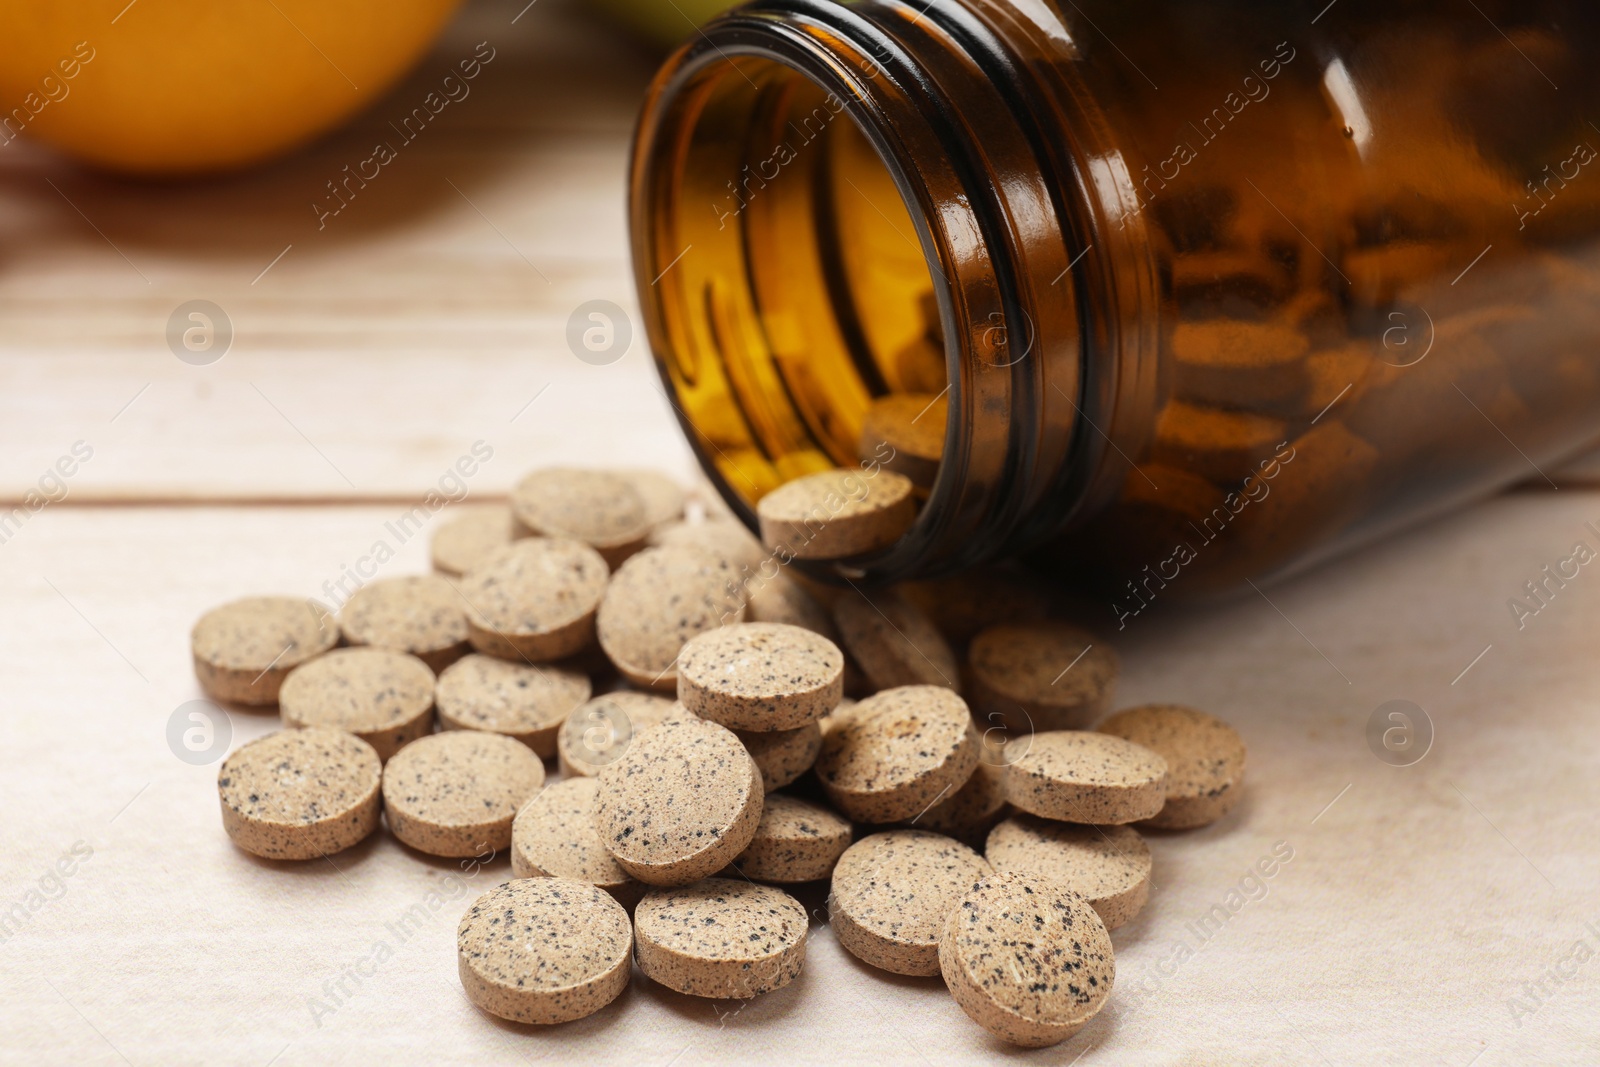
{"type": "Point", "coordinates": [1198, 291]}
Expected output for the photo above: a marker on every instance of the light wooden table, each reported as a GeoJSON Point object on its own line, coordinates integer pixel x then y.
{"type": "Point", "coordinates": [1439, 913]}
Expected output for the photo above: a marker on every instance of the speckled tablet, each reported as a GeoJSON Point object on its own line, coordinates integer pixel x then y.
{"type": "Point", "coordinates": [300, 794]}
{"type": "Point", "coordinates": [663, 497]}
{"type": "Point", "coordinates": [891, 893]}
{"type": "Point", "coordinates": [837, 514]}
{"type": "Point", "coordinates": [602, 509]}
{"type": "Point", "coordinates": [656, 602]}
{"type": "Point", "coordinates": [1205, 761]}
{"type": "Point", "coordinates": [1109, 866]}
{"type": "Point", "coordinates": [725, 538]}
{"type": "Point", "coordinates": [894, 642]}
{"type": "Point", "coordinates": [795, 841]}
{"type": "Point", "coordinates": [681, 803]}
{"type": "Point", "coordinates": [535, 600]}
{"type": "Point", "coordinates": [421, 614]}
{"type": "Point", "coordinates": [721, 938]}
{"type": "Point", "coordinates": [554, 837]}
{"type": "Point", "coordinates": [1040, 676]}
{"type": "Point", "coordinates": [761, 676]}
{"type": "Point", "coordinates": [1092, 778]}
{"type": "Point", "coordinates": [912, 425]}
{"type": "Point", "coordinates": [896, 754]}
{"type": "Point", "coordinates": [544, 950]}
{"type": "Point", "coordinates": [782, 599]}
{"type": "Point", "coordinates": [526, 702]}
{"type": "Point", "coordinates": [382, 696]}
{"type": "Point", "coordinates": [599, 731]}
{"type": "Point", "coordinates": [1027, 959]}
{"type": "Point", "coordinates": [783, 755]}
{"type": "Point", "coordinates": [245, 649]}
{"type": "Point", "coordinates": [964, 603]}
{"type": "Point", "coordinates": [469, 537]}
{"type": "Point", "coordinates": [969, 813]}
{"type": "Point", "coordinates": [456, 793]}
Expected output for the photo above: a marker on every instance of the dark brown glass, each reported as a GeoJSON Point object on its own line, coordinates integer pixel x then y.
{"type": "Point", "coordinates": [1210, 290]}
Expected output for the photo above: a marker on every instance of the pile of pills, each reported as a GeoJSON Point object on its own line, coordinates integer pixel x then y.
{"type": "Point", "coordinates": [940, 753]}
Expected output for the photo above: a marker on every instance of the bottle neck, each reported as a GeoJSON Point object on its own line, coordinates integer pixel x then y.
{"type": "Point", "coordinates": [1029, 230]}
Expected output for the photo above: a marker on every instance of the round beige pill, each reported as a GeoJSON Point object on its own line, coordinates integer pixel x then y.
{"type": "Point", "coordinates": [680, 803]}
{"type": "Point", "coordinates": [245, 649]}
{"type": "Point", "coordinates": [783, 755]}
{"type": "Point", "coordinates": [1109, 866]}
{"type": "Point", "coordinates": [969, 813]}
{"type": "Point", "coordinates": [1205, 761]}
{"type": "Point", "coordinates": [761, 676]}
{"type": "Point", "coordinates": [382, 696]}
{"type": "Point", "coordinates": [544, 950]}
{"type": "Point", "coordinates": [419, 614]}
{"type": "Point", "coordinates": [891, 893]}
{"type": "Point", "coordinates": [1040, 676]}
{"type": "Point", "coordinates": [782, 599]}
{"type": "Point", "coordinates": [456, 794]}
{"type": "Point", "coordinates": [795, 841]}
{"type": "Point", "coordinates": [554, 837]}
{"type": "Point", "coordinates": [721, 938]}
{"type": "Point", "coordinates": [600, 731]}
{"type": "Point", "coordinates": [521, 701]}
{"type": "Point", "coordinates": [1027, 959]}
{"type": "Point", "coordinates": [300, 794]}
{"type": "Point", "coordinates": [535, 600]}
{"type": "Point", "coordinates": [724, 538]}
{"type": "Point", "coordinates": [659, 600]}
{"type": "Point", "coordinates": [463, 543]}
{"type": "Point", "coordinates": [1091, 778]}
{"type": "Point", "coordinates": [894, 642]}
{"type": "Point", "coordinates": [603, 509]}
{"type": "Point", "coordinates": [664, 499]}
{"type": "Point", "coordinates": [912, 426]}
{"type": "Point", "coordinates": [894, 755]}
{"type": "Point", "coordinates": [837, 514]}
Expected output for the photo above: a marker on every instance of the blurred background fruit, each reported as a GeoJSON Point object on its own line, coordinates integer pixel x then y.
{"type": "Point", "coordinates": [170, 87]}
{"type": "Point", "coordinates": [666, 22]}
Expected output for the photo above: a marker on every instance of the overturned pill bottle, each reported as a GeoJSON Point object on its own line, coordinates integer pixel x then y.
{"type": "Point", "coordinates": [1163, 296]}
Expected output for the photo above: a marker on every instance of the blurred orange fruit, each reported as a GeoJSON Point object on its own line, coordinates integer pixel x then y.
{"type": "Point", "coordinates": [166, 87]}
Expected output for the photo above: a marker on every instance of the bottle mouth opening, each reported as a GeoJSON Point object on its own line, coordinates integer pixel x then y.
{"type": "Point", "coordinates": [796, 319]}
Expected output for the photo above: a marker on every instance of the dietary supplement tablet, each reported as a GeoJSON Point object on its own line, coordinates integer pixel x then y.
{"type": "Point", "coordinates": [912, 426]}
{"type": "Point", "coordinates": [837, 514]}
{"type": "Point", "coordinates": [891, 893]}
{"type": "Point", "coordinates": [520, 700]}
{"type": "Point", "coordinates": [1040, 676]}
{"type": "Point", "coordinates": [894, 642]}
{"type": "Point", "coordinates": [656, 602]}
{"type": "Point", "coordinates": [421, 614]}
{"type": "Point", "coordinates": [602, 509]}
{"type": "Point", "coordinates": [544, 950]}
{"type": "Point", "coordinates": [456, 793]}
{"type": "Point", "coordinates": [535, 600]}
{"type": "Point", "coordinates": [470, 536]}
{"type": "Point", "coordinates": [782, 755]}
{"type": "Point", "coordinates": [599, 731]}
{"type": "Point", "coordinates": [761, 676]}
{"type": "Point", "coordinates": [663, 497]}
{"type": "Point", "coordinates": [245, 649]}
{"type": "Point", "coordinates": [1027, 959]}
{"type": "Point", "coordinates": [300, 794]}
{"type": "Point", "coordinates": [1109, 866]}
{"type": "Point", "coordinates": [894, 755]}
{"type": "Point", "coordinates": [554, 836]}
{"type": "Point", "coordinates": [721, 938]}
{"type": "Point", "coordinates": [680, 803]}
{"type": "Point", "coordinates": [382, 696]}
{"type": "Point", "coordinates": [1093, 778]}
{"type": "Point", "coordinates": [1205, 761]}
{"type": "Point", "coordinates": [795, 841]}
